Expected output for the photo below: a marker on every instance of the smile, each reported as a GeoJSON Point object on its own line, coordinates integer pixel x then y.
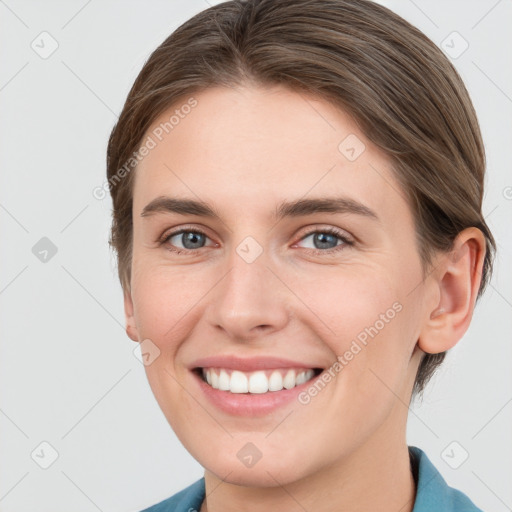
{"type": "Point", "coordinates": [252, 387]}
{"type": "Point", "coordinates": [258, 382]}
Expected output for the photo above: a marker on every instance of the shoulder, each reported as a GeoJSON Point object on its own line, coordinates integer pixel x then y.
{"type": "Point", "coordinates": [432, 491]}
{"type": "Point", "coordinates": [187, 500]}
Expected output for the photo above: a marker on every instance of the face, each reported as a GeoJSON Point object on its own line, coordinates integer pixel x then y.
{"type": "Point", "coordinates": [300, 274]}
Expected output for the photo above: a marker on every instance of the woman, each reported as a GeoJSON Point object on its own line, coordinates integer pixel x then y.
{"type": "Point", "coordinates": [297, 191]}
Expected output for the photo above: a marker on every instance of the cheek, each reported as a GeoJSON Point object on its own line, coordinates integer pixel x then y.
{"type": "Point", "coordinates": [350, 301]}
{"type": "Point", "coordinates": [368, 330]}
{"type": "Point", "coordinates": [166, 301]}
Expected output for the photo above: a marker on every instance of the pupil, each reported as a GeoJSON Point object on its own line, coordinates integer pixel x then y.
{"type": "Point", "coordinates": [321, 239]}
{"type": "Point", "coordinates": [191, 238]}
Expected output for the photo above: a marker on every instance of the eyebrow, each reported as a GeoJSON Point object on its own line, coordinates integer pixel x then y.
{"type": "Point", "coordinates": [298, 208]}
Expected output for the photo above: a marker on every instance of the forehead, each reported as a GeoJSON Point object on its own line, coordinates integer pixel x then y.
{"type": "Point", "coordinates": [237, 145]}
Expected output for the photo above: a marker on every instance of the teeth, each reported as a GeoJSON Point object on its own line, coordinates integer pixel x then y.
{"type": "Point", "coordinates": [289, 380]}
{"type": "Point", "coordinates": [224, 380]}
{"type": "Point", "coordinates": [255, 382]}
{"type": "Point", "coordinates": [258, 383]}
{"type": "Point", "coordinates": [238, 383]}
{"type": "Point", "coordinates": [215, 380]}
{"type": "Point", "coordinates": [301, 378]}
{"type": "Point", "coordinates": [275, 383]}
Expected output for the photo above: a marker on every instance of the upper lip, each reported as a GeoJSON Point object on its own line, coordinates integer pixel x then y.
{"type": "Point", "coordinates": [248, 364]}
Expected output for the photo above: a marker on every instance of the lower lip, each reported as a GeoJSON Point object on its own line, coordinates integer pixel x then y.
{"type": "Point", "coordinates": [251, 404]}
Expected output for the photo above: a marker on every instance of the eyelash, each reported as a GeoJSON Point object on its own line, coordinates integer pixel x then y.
{"type": "Point", "coordinates": [327, 252]}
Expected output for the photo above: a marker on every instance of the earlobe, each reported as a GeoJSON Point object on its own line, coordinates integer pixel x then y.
{"type": "Point", "coordinates": [458, 275]}
{"type": "Point", "coordinates": [131, 327]}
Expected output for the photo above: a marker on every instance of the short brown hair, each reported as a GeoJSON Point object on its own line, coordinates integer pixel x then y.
{"type": "Point", "coordinates": [402, 91]}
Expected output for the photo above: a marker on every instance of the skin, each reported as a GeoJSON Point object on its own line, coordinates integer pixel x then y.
{"type": "Point", "coordinates": [244, 151]}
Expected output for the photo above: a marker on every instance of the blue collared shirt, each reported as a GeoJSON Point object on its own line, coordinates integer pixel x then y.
{"type": "Point", "coordinates": [433, 494]}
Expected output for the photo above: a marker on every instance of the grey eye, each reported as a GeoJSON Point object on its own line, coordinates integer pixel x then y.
{"type": "Point", "coordinates": [190, 239]}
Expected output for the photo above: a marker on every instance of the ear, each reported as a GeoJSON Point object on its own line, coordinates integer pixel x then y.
{"type": "Point", "coordinates": [131, 327]}
{"type": "Point", "coordinates": [457, 278]}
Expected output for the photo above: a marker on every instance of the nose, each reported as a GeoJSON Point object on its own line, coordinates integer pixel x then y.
{"type": "Point", "coordinates": [250, 302]}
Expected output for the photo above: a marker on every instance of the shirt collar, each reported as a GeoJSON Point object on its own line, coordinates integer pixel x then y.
{"type": "Point", "coordinates": [432, 491]}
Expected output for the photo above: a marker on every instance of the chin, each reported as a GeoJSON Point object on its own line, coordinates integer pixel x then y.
{"type": "Point", "coordinates": [269, 471]}
{"type": "Point", "coordinates": [253, 477]}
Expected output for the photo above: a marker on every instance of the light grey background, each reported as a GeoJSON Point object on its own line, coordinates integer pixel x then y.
{"type": "Point", "coordinates": [68, 374]}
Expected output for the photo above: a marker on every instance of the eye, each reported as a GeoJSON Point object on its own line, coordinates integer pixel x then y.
{"type": "Point", "coordinates": [191, 239]}
{"type": "Point", "coordinates": [326, 240]}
